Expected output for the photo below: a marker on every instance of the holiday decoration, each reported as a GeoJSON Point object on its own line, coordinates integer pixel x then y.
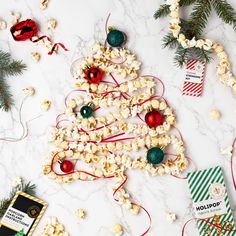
{"type": "Point", "coordinates": [106, 135]}
{"type": "Point", "coordinates": [155, 155]}
{"type": "Point", "coordinates": [86, 111]}
{"type": "Point", "coordinates": [94, 75]}
{"type": "Point", "coordinates": [28, 29]}
{"type": "Point", "coordinates": [153, 119]}
{"type": "Point", "coordinates": [116, 38]}
{"type": "Point", "coordinates": [20, 233]}
{"type": "Point", "coordinates": [8, 67]}
{"type": "Point", "coordinates": [66, 166]}
{"type": "Point", "coordinates": [186, 35]}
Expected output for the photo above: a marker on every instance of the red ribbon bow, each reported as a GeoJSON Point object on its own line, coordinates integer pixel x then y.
{"type": "Point", "coordinates": [27, 29]}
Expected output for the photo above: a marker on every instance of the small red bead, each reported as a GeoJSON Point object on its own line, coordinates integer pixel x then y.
{"type": "Point", "coordinates": [94, 75]}
{"type": "Point", "coordinates": [66, 166]}
{"type": "Point", "coordinates": [153, 119]}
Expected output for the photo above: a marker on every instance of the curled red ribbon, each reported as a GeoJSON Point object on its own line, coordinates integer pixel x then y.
{"type": "Point", "coordinates": [27, 29]}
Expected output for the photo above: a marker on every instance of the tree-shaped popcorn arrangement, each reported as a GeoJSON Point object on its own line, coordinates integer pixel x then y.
{"type": "Point", "coordinates": [113, 122]}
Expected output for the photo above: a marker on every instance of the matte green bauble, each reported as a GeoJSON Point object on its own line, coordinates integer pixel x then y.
{"type": "Point", "coordinates": [86, 111]}
{"type": "Point", "coordinates": [116, 38]}
{"type": "Point", "coordinates": [155, 155]}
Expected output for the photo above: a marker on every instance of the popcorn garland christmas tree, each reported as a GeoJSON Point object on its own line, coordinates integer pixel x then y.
{"type": "Point", "coordinates": [108, 143]}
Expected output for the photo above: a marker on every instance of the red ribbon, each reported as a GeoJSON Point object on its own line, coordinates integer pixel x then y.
{"type": "Point", "coordinates": [208, 222]}
{"type": "Point", "coordinates": [27, 29]}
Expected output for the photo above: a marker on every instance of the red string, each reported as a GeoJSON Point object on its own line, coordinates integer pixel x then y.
{"type": "Point", "coordinates": [54, 45]}
{"type": "Point", "coordinates": [232, 165]}
{"type": "Point", "coordinates": [148, 214]}
{"type": "Point", "coordinates": [208, 222]}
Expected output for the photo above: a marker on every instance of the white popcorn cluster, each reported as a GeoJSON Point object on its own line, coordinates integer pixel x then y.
{"type": "Point", "coordinates": [45, 105]}
{"type": "Point", "coordinates": [84, 139]}
{"type": "Point", "coordinates": [224, 68]}
{"type": "Point", "coordinates": [117, 230]}
{"type": "Point", "coordinates": [215, 114]}
{"type": "Point", "coordinates": [35, 56]}
{"type": "Point", "coordinates": [16, 182]}
{"type": "Point", "coordinates": [80, 213]}
{"type": "Point", "coordinates": [43, 4]}
{"type": "Point", "coordinates": [3, 24]}
{"type": "Point", "coordinates": [29, 91]}
{"type": "Point", "coordinates": [52, 23]}
{"type": "Point", "coordinates": [53, 228]}
{"type": "Point", "coordinates": [171, 217]}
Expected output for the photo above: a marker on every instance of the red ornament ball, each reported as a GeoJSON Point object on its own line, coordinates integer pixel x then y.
{"type": "Point", "coordinates": [153, 119]}
{"type": "Point", "coordinates": [66, 166]}
{"type": "Point", "coordinates": [94, 75]}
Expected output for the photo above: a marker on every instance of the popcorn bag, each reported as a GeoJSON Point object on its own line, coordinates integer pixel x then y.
{"type": "Point", "coordinates": [211, 202]}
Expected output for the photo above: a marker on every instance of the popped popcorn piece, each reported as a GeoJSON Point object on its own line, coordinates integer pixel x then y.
{"type": "Point", "coordinates": [3, 25]}
{"type": "Point", "coordinates": [117, 230]}
{"type": "Point", "coordinates": [52, 23]}
{"type": "Point", "coordinates": [171, 217]}
{"type": "Point", "coordinates": [80, 213]}
{"type": "Point", "coordinates": [43, 4]}
{"type": "Point", "coordinates": [215, 114]}
{"type": "Point", "coordinates": [30, 91]}
{"type": "Point", "coordinates": [45, 105]}
{"type": "Point", "coordinates": [35, 56]}
{"type": "Point", "coordinates": [16, 182]}
{"type": "Point", "coordinates": [226, 151]}
{"type": "Point", "coordinates": [135, 209]}
{"type": "Point", "coordinates": [53, 228]}
{"type": "Point", "coordinates": [15, 17]}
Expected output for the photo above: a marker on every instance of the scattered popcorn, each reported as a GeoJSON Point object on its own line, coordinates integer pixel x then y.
{"type": "Point", "coordinates": [170, 217]}
{"type": "Point", "coordinates": [43, 4]}
{"type": "Point", "coordinates": [35, 56]}
{"type": "Point", "coordinates": [52, 23]}
{"type": "Point", "coordinates": [80, 213]}
{"type": "Point", "coordinates": [16, 182]}
{"type": "Point", "coordinates": [215, 114]}
{"type": "Point", "coordinates": [135, 209]}
{"type": "Point", "coordinates": [117, 230]}
{"type": "Point", "coordinates": [30, 91]}
{"type": "Point", "coordinates": [45, 105]}
{"type": "Point", "coordinates": [15, 17]}
{"type": "Point", "coordinates": [53, 228]}
{"type": "Point", "coordinates": [3, 25]}
{"type": "Point", "coordinates": [226, 151]}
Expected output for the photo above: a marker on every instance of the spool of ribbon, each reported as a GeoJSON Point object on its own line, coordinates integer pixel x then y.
{"type": "Point", "coordinates": [27, 29]}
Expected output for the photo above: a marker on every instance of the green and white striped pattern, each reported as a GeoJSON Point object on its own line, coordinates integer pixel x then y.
{"type": "Point", "coordinates": [199, 183]}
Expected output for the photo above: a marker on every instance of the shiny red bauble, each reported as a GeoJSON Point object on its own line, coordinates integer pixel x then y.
{"type": "Point", "coordinates": [66, 166]}
{"type": "Point", "coordinates": [153, 119]}
{"type": "Point", "coordinates": [94, 75]}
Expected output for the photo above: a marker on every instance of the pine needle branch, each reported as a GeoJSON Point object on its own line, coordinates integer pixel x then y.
{"type": "Point", "coordinates": [199, 16]}
{"type": "Point", "coordinates": [225, 11]}
{"type": "Point", "coordinates": [23, 187]}
{"type": "Point", "coordinates": [170, 41]}
{"type": "Point", "coordinates": [6, 100]}
{"type": "Point", "coordinates": [163, 11]}
{"type": "Point", "coordinates": [8, 67]}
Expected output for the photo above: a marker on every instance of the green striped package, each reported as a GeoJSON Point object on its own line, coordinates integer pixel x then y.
{"type": "Point", "coordinates": [211, 203]}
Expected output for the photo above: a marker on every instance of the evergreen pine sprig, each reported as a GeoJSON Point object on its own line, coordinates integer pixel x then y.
{"type": "Point", "coordinates": [8, 67]}
{"type": "Point", "coordinates": [28, 188]}
{"type": "Point", "coordinates": [194, 27]}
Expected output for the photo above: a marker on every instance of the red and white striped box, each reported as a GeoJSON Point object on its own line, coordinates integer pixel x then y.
{"type": "Point", "coordinates": [193, 83]}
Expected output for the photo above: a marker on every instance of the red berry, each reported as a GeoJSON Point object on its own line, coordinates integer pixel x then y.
{"type": "Point", "coordinates": [153, 119]}
{"type": "Point", "coordinates": [66, 166]}
{"type": "Point", "coordinates": [94, 75]}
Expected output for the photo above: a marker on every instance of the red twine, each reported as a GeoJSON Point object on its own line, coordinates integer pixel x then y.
{"type": "Point", "coordinates": [27, 29]}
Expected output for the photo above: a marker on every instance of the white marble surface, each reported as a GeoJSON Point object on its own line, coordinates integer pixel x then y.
{"type": "Point", "coordinates": [80, 23]}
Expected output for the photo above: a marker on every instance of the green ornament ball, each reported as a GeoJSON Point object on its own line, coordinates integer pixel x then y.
{"type": "Point", "coordinates": [155, 155]}
{"type": "Point", "coordinates": [86, 111]}
{"type": "Point", "coordinates": [116, 38]}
